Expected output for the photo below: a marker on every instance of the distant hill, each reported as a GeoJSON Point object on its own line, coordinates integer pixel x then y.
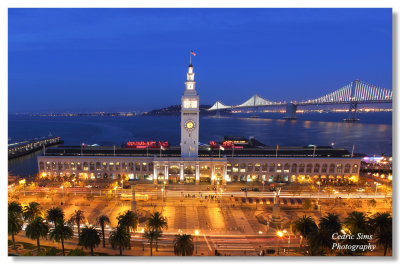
{"type": "Point", "coordinates": [175, 110]}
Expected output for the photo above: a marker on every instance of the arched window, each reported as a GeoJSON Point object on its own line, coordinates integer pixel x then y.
{"type": "Point", "coordinates": [91, 166]}
{"type": "Point", "coordinates": [272, 167]}
{"type": "Point", "coordinates": [79, 166]}
{"type": "Point", "coordinates": [339, 168]}
{"type": "Point", "coordinates": [60, 166]}
{"type": "Point", "coordinates": [124, 166]}
{"type": "Point", "coordinates": [257, 167]}
{"type": "Point", "coordinates": [316, 168]}
{"type": "Point", "coordinates": [355, 168]}
{"type": "Point", "coordinates": [41, 165]}
{"type": "Point", "coordinates": [309, 168]}
{"type": "Point", "coordinates": [347, 168]}
{"type": "Point", "coordinates": [279, 167]}
{"type": "Point", "coordinates": [332, 168]}
{"type": "Point", "coordinates": [151, 166]}
{"type": "Point", "coordinates": [189, 170]}
{"type": "Point", "coordinates": [137, 166]}
{"type": "Point", "coordinates": [174, 169]}
{"type": "Point", "coordinates": [85, 166]}
{"type": "Point", "coordinates": [98, 166]}
{"type": "Point", "coordinates": [324, 168]}
{"type": "Point", "coordinates": [301, 168]}
{"type": "Point", "coordinates": [131, 167]}
{"type": "Point", "coordinates": [250, 167]}
{"type": "Point", "coordinates": [294, 167]}
{"type": "Point", "coordinates": [264, 167]}
{"type": "Point", "coordinates": [66, 166]}
{"type": "Point", "coordinates": [286, 168]}
{"type": "Point", "coordinates": [53, 165]}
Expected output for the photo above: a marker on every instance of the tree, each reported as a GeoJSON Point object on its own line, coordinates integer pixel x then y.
{"type": "Point", "coordinates": [32, 211]}
{"type": "Point", "coordinates": [89, 238]}
{"type": "Point", "coordinates": [183, 245]}
{"type": "Point", "coordinates": [15, 223]}
{"type": "Point", "coordinates": [37, 229]}
{"type": "Point", "coordinates": [127, 221]}
{"type": "Point", "coordinates": [151, 236]}
{"type": "Point", "coordinates": [331, 223]}
{"type": "Point", "coordinates": [60, 233]}
{"type": "Point", "coordinates": [304, 226]}
{"type": "Point", "coordinates": [157, 222]}
{"type": "Point", "coordinates": [77, 218]}
{"type": "Point", "coordinates": [77, 252]}
{"type": "Point", "coordinates": [119, 238]}
{"type": "Point", "coordinates": [102, 221]}
{"type": "Point", "coordinates": [357, 222]}
{"type": "Point", "coordinates": [15, 207]}
{"type": "Point", "coordinates": [381, 226]}
{"type": "Point", "coordinates": [371, 204]}
{"type": "Point", "coordinates": [55, 215]}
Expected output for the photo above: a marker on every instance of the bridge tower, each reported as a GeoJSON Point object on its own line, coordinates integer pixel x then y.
{"type": "Point", "coordinates": [190, 117]}
{"type": "Point", "coordinates": [353, 104]}
{"type": "Point", "coordinates": [291, 109]}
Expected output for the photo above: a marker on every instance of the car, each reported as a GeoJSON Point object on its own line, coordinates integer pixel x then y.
{"type": "Point", "coordinates": [360, 190]}
{"type": "Point", "coordinates": [243, 189]}
{"type": "Point", "coordinates": [254, 189]}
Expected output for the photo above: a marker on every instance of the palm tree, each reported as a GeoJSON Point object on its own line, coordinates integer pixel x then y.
{"type": "Point", "coordinates": [157, 222]}
{"type": "Point", "coordinates": [55, 215]}
{"type": "Point", "coordinates": [381, 226]}
{"type": "Point", "coordinates": [60, 233]}
{"type": "Point", "coordinates": [32, 211]}
{"type": "Point", "coordinates": [304, 226]}
{"type": "Point", "coordinates": [14, 225]}
{"type": "Point", "coordinates": [119, 238]}
{"type": "Point", "coordinates": [330, 223]}
{"type": "Point", "coordinates": [183, 245]}
{"type": "Point", "coordinates": [102, 221]}
{"type": "Point", "coordinates": [357, 222]}
{"type": "Point", "coordinates": [15, 207]}
{"type": "Point", "coordinates": [127, 221]}
{"type": "Point", "coordinates": [151, 235]}
{"type": "Point", "coordinates": [89, 238]}
{"type": "Point", "coordinates": [36, 229]}
{"type": "Point", "coordinates": [77, 218]}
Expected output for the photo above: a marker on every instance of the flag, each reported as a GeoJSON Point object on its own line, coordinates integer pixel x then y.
{"type": "Point", "coordinates": [191, 148]}
{"type": "Point", "coordinates": [192, 52]}
{"type": "Point", "coordinates": [221, 148]}
{"type": "Point", "coordinates": [277, 147]}
{"type": "Point", "coordinates": [162, 147]}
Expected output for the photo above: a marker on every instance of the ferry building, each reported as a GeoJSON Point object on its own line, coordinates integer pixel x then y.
{"type": "Point", "coordinates": [234, 159]}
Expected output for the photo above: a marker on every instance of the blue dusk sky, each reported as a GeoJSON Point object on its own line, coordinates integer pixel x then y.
{"type": "Point", "coordinates": [83, 60]}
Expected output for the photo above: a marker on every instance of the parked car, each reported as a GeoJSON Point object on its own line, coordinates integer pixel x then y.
{"type": "Point", "coordinates": [254, 189]}
{"type": "Point", "coordinates": [243, 189]}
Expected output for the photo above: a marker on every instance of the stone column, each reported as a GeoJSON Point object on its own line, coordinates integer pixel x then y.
{"type": "Point", "coordinates": [197, 173]}
{"type": "Point", "coordinates": [155, 172]}
{"type": "Point", "coordinates": [181, 179]}
{"type": "Point", "coordinates": [224, 175]}
{"type": "Point", "coordinates": [212, 174]}
{"type": "Point", "coordinates": [166, 174]}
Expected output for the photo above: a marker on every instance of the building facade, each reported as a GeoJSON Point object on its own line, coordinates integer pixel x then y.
{"type": "Point", "coordinates": [188, 164]}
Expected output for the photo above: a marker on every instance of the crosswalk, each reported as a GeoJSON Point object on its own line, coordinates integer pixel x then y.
{"type": "Point", "coordinates": [232, 244]}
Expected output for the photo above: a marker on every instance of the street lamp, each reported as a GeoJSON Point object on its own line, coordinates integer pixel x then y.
{"type": "Point", "coordinates": [196, 233]}
{"type": "Point", "coordinates": [286, 232]}
{"type": "Point", "coordinates": [319, 187]}
{"type": "Point", "coordinates": [280, 235]}
{"type": "Point", "coordinates": [115, 193]}
{"type": "Point", "coordinates": [376, 187]}
{"type": "Point", "coordinates": [122, 183]}
{"type": "Point", "coordinates": [62, 189]}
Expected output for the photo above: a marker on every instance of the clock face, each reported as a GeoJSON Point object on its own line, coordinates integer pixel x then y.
{"type": "Point", "coordinates": [189, 125]}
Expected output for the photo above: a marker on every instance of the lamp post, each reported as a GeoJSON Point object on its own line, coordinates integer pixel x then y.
{"type": "Point", "coordinates": [122, 183]}
{"type": "Point", "coordinates": [376, 188]}
{"type": "Point", "coordinates": [115, 193]}
{"type": "Point", "coordinates": [280, 235]}
{"type": "Point", "coordinates": [319, 188]}
{"type": "Point", "coordinates": [286, 232]}
{"type": "Point", "coordinates": [196, 232]}
{"type": "Point", "coordinates": [62, 189]}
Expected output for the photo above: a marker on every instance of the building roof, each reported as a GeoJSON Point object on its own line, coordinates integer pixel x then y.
{"type": "Point", "coordinates": [264, 151]}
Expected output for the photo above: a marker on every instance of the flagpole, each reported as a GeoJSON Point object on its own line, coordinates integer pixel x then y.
{"type": "Point", "coordinates": [313, 155]}
{"type": "Point", "coordinates": [277, 146]}
{"type": "Point", "coordinates": [44, 150]}
{"type": "Point", "coordinates": [190, 57]}
{"type": "Point", "coordinates": [352, 152]}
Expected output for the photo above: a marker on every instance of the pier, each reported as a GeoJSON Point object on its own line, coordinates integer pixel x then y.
{"type": "Point", "coordinates": [18, 149]}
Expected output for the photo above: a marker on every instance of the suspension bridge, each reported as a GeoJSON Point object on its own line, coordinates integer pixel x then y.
{"type": "Point", "coordinates": [353, 94]}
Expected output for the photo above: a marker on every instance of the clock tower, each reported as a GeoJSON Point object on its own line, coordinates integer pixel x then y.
{"type": "Point", "coordinates": [190, 117]}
